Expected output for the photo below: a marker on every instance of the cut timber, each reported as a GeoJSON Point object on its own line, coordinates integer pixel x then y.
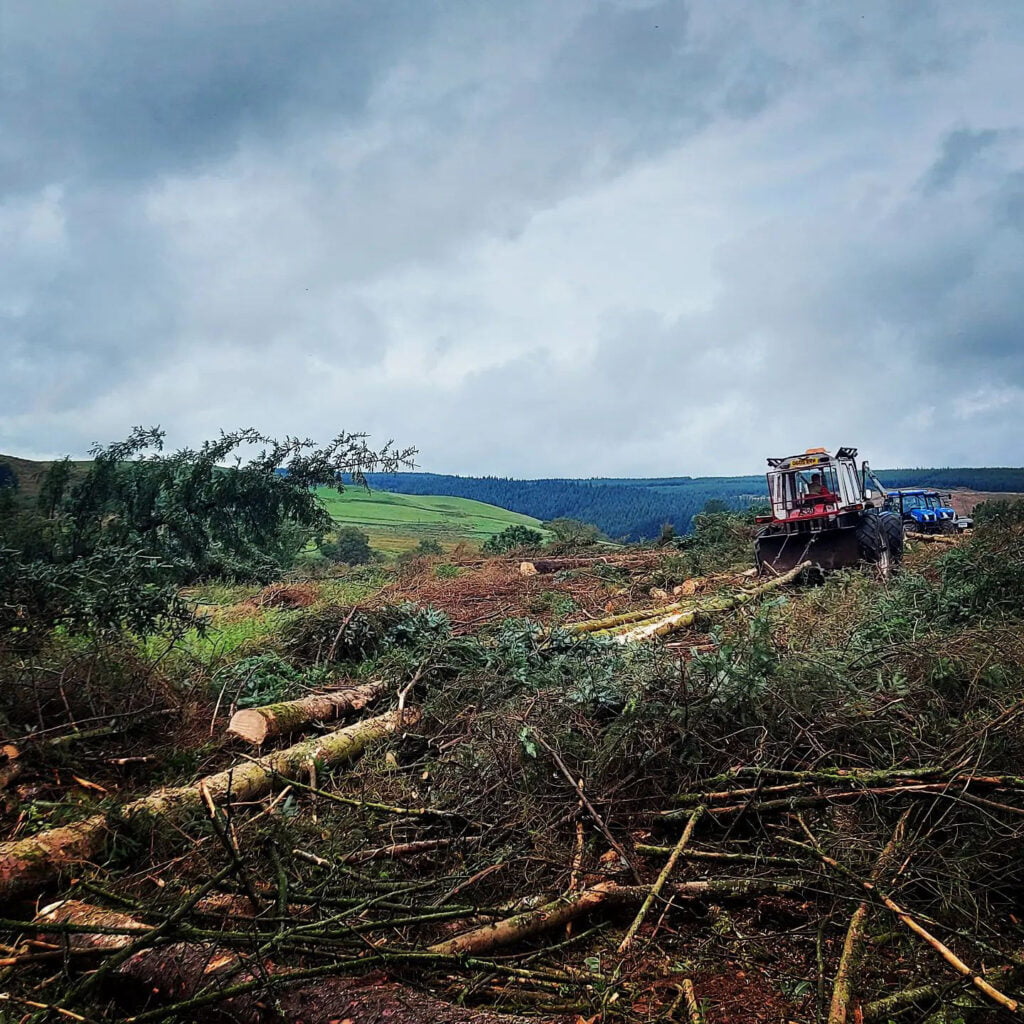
{"type": "Point", "coordinates": [513, 929]}
{"type": "Point", "coordinates": [560, 912]}
{"type": "Point", "coordinates": [78, 913]}
{"type": "Point", "coordinates": [10, 764]}
{"type": "Point", "coordinates": [682, 619]}
{"type": "Point", "coordinates": [550, 565]}
{"type": "Point", "coordinates": [257, 725]}
{"type": "Point", "coordinates": [612, 621]}
{"type": "Point", "coordinates": [28, 864]}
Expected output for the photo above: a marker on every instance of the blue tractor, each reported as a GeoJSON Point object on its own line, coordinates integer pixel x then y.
{"type": "Point", "coordinates": [924, 511]}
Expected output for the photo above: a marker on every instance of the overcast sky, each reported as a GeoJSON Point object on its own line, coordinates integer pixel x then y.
{"type": "Point", "coordinates": [563, 237]}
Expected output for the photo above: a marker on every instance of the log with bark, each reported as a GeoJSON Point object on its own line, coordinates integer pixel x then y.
{"type": "Point", "coordinates": [257, 725]}
{"type": "Point", "coordinates": [28, 864]}
{"type": "Point", "coordinates": [681, 619]}
{"type": "Point", "coordinates": [220, 984]}
{"type": "Point", "coordinates": [561, 911]}
{"type": "Point", "coordinates": [546, 566]}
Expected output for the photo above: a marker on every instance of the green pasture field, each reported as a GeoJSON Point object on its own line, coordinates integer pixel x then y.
{"type": "Point", "coordinates": [398, 522]}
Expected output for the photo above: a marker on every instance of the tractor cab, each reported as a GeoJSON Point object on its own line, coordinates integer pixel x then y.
{"type": "Point", "coordinates": [814, 485]}
{"type": "Point", "coordinates": [923, 510]}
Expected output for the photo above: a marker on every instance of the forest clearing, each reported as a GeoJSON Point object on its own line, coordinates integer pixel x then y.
{"type": "Point", "coordinates": [640, 786]}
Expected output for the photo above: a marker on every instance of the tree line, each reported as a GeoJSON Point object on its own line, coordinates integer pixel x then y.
{"type": "Point", "coordinates": [637, 510]}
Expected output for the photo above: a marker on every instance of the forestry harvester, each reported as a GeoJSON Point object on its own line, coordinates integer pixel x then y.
{"type": "Point", "coordinates": [827, 510]}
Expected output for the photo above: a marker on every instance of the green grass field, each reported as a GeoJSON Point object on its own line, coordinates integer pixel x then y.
{"type": "Point", "coordinates": [398, 522]}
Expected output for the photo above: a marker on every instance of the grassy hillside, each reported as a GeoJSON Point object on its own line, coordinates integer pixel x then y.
{"type": "Point", "coordinates": [398, 522]}
{"type": "Point", "coordinates": [29, 474]}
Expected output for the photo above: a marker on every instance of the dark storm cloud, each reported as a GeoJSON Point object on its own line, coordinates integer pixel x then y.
{"type": "Point", "coordinates": [574, 237]}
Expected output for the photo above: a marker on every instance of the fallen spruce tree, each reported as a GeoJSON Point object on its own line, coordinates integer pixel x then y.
{"type": "Point", "coordinates": [26, 865]}
{"type": "Point", "coordinates": [257, 725]}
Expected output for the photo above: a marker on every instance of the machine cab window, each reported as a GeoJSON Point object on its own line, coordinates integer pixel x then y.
{"type": "Point", "coordinates": [805, 491]}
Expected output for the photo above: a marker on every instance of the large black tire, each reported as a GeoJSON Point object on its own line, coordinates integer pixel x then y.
{"type": "Point", "coordinates": [873, 542]}
{"type": "Point", "coordinates": [892, 528]}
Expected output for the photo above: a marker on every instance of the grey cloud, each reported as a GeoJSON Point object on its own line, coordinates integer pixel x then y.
{"type": "Point", "coordinates": [116, 89]}
{"type": "Point", "coordinates": [421, 219]}
{"type": "Point", "coordinates": [959, 148]}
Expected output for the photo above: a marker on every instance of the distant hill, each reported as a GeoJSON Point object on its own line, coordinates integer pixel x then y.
{"type": "Point", "coordinates": [28, 474]}
{"type": "Point", "coordinates": [623, 510]}
{"type": "Point", "coordinates": [398, 522]}
{"type": "Point", "coordinates": [635, 509]}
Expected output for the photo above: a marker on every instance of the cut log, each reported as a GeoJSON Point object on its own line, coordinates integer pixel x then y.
{"type": "Point", "coordinates": [682, 619]}
{"type": "Point", "coordinates": [561, 911]}
{"type": "Point", "coordinates": [10, 764]}
{"type": "Point", "coordinates": [78, 913]}
{"type": "Point", "coordinates": [28, 864]}
{"type": "Point", "coordinates": [211, 976]}
{"type": "Point", "coordinates": [550, 565]}
{"type": "Point", "coordinates": [257, 725]}
{"type": "Point", "coordinates": [531, 922]}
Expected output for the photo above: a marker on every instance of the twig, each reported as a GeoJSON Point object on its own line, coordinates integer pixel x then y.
{"type": "Point", "coordinates": [424, 812]}
{"type": "Point", "coordinates": [341, 631]}
{"type": "Point", "coordinates": [853, 946]}
{"type": "Point", "coordinates": [1012, 1005]}
{"type": "Point", "coordinates": [692, 1006]}
{"type": "Point", "coordinates": [7, 997]}
{"type": "Point", "coordinates": [661, 880]}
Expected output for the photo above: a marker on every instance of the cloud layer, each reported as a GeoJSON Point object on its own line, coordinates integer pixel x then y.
{"type": "Point", "coordinates": [560, 237]}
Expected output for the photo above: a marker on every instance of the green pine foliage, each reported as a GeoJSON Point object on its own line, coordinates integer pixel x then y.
{"type": "Point", "coordinates": [108, 546]}
{"type": "Point", "coordinates": [512, 538]}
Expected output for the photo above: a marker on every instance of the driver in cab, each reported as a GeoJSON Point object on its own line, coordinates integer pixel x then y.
{"type": "Point", "coordinates": [816, 487]}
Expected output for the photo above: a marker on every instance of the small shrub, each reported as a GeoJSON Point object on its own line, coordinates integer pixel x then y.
{"type": "Point", "coordinates": [349, 545]}
{"type": "Point", "coordinates": [512, 538]}
{"type": "Point", "coordinates": [553, 601]}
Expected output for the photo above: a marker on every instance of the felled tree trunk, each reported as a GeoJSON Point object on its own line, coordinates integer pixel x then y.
{"type": "Point", "coordinates": [28, 864]}
{"type": "Point", "coordinates": [187, 970]}
{"type": "Point", "coordinates": [257, 725]}
{"type": "Point", "coordinates": [79, 913]}
{"type": "Point", "coordinates": [567, 908]}
{"type": "Point", "coordinates": [550, 565]}
{"type": "Point", "coordinates": [682, 619]}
